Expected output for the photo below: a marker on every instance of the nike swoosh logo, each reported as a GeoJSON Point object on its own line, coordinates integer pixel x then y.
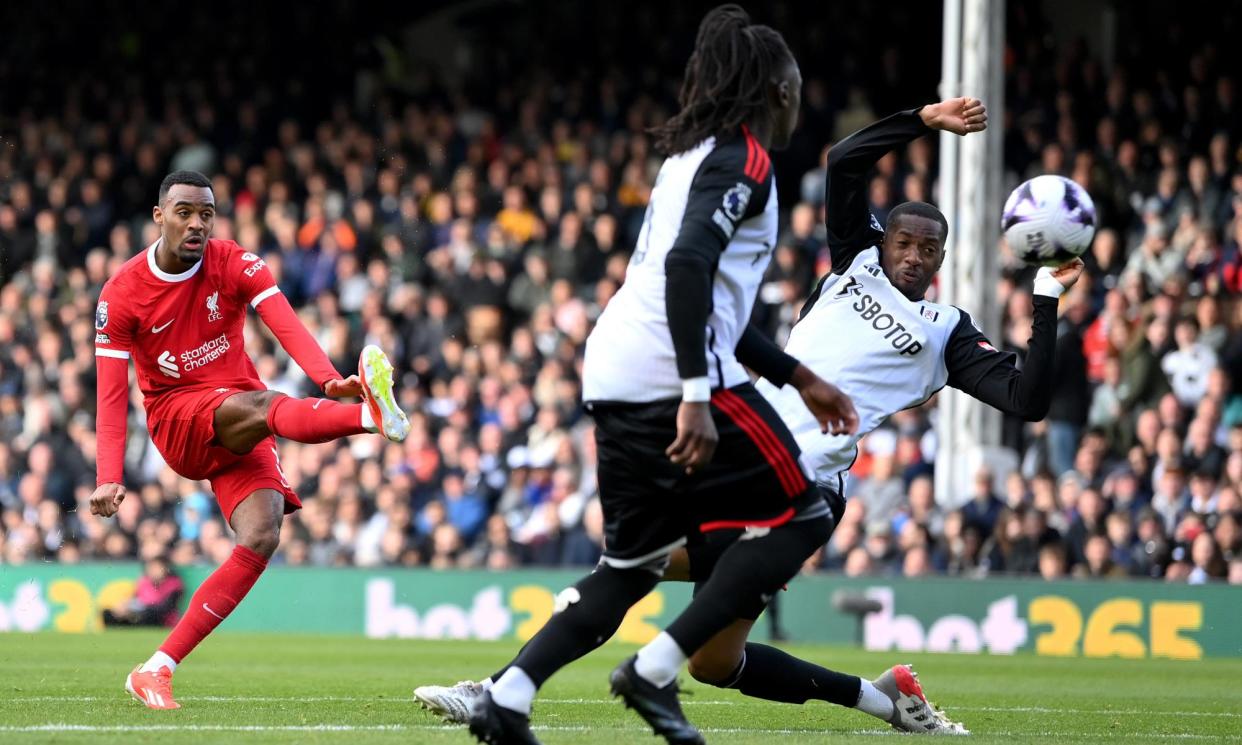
{"type": "Point", "coordinates": [316, 406]}
{"type": "Point", "coordinates": [157, 329]}
{"type": "Point", "coordinates": [212, 612]}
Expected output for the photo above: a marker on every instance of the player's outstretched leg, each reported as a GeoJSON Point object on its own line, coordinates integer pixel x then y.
{"type": "Point", "coordinates": [768, 673]}
{"type": "Point", "coordinates": [257, 524]}
{"type": "Point", "coordinates": [245, 419]}
{"type": "Point", "coordinates": [750, 571]}
{"type": "Point", "coordinates": [323, 420]}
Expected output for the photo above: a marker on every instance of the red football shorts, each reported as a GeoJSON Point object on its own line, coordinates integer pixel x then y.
{"type": "Point", "coordinates": [182, 426]}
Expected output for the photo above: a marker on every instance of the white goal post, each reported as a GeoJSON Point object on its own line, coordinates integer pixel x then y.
{"type": "Point", "coordinates": [970, 182]}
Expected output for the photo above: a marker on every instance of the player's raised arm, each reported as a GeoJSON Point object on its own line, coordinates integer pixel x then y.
{"type": "Point", "coordinates": [258, 288]}
{"type": "Point", "coordinates": [851, 226]}
{"type": "Point", "coordinates": [980, 370]}
{"type": "Point", "coordinates": [113, 336]}
{"type": "Point", "coordinates": [731, 185]}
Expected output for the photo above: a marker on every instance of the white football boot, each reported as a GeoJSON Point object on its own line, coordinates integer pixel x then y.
{"type": "Point", "coordinates": [450, 703]}
{"type": "Point", "coordinates": [911, 710]}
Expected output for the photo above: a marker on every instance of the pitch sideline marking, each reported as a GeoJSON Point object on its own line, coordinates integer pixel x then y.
{"type": "Point", "coordinates": [394, 699]}
{"type": "Point", "coordinates": [63, 727]}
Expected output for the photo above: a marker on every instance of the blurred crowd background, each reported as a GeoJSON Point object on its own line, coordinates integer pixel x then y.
{"type": "Point", "coordinates": [473, 214]}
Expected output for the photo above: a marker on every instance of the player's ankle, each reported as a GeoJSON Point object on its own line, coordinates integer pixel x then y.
{"type": "Point", "coordinates": [158, 660]}
{"type": "Point", "coordinates": [659, 662]}
{"type": "Point", "coordinates": [514, 691]}
{"type": "Point", "coordinates": [873, 701]}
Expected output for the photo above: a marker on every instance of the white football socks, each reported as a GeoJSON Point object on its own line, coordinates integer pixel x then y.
{"type": "Point", "coordinates": [158, 660]}
{"type": "Point", "coordinates": [368, 422]}
{"type": "Point", "coordinates": [659, 662]}
{"type": "Point", "coordinates": [514, 691]}
{"type": "Point", "coordinates": [874, 701]}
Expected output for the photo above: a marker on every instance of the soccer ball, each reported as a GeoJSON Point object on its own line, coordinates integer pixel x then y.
{"type": "Point", "coordinates": [1048, 221]}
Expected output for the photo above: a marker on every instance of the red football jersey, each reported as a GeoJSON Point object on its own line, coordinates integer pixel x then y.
{"type": "Point", "coordinates": [184, 331]}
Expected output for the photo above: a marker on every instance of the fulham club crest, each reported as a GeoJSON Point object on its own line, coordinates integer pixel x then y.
{"type": "Point", "coordinates": [213, 306]}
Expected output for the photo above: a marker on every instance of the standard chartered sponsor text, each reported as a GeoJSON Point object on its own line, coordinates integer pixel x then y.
{"type": "Point", "coordinates": [205, 354]}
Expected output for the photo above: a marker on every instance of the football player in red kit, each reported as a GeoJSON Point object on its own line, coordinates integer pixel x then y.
{"type": "Point", "coordinates": [177, 309]}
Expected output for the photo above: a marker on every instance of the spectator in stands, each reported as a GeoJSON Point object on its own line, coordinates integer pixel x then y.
{"type": "Point", "coordinates": [157, 594]}
{"type": "Point", "coordinates": [1052, 561]}
{"type": "Point", "coordinates": [984, 507]}
{"type": "Point", "coordinates": [1208, 564]}
{"type": "Point", "coordinates": [1070, 396]}
{"type": "Point", "coordinates": [1188, 365]}
{"type": "Point", "coordinates": [881, 493]}
{"type": "Point", "coordinates": [1098, 559]}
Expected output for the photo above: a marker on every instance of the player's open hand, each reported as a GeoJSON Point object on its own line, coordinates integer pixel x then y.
{"type": "Point", "coordinates": [347, 388]}
{"type": "Point", "coordinates": [832, 408]}
{"type": "Point", "coordinates": [957, 115]}
{"type": "Point", "coordinates": [696, 436]}
{"type": "Point", "coordinates": [107, 499]}
{"type": "Point", "coordinates": [1069, 272]}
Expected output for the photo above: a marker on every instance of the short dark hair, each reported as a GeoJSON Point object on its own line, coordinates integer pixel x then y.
{"type": "Point", "coordinates": [918, 209]}
{"type": "Point", "coordinates": [190, 178]}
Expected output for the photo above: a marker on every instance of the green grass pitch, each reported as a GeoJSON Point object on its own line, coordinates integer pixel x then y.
{"type": "Point", "coordinates": [316, 689]}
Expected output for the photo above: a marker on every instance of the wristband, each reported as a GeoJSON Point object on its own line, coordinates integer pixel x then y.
{"type": "Point", "coordinates": [696, 390]}
{"type": "Point", "coordinates": [1046, 284]}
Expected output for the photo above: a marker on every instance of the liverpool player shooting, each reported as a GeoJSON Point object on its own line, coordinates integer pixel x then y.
{"type": "Point", "coordinates": [177, 309]}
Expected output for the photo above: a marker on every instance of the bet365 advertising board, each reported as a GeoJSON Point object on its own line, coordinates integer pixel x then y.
{"type": "Point", "coordinates": [1129, 619]}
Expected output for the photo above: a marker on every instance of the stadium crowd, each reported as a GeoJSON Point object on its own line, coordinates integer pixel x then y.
{"type": "Point", "coordinates": [477, 242]}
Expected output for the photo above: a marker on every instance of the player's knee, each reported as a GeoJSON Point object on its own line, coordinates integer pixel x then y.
{"type": "Point", "coordinates": [713, 670]}
{"type": "Point", "coordinates": [259, 408]}
{"type": "Point", "coordinates": [263, 541]}
{"type": "Point", "coordinates": [241, 421]}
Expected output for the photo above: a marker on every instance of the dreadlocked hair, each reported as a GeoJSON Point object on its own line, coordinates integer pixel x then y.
{"type": "Point", "coordinates": [727, 77]}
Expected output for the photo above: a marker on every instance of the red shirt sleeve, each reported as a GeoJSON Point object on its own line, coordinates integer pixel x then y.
{"type": "Point", "coordinates": [112, 411]}
{"type": "Point", "coordinates": [257, 286]}
{"type": "Point", "coordinates": [297, 341]}
{"type": "Point", "coordinates": [113, 337]}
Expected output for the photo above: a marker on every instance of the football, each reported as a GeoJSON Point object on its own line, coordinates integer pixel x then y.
{"type": "Point", "coordinates": [1048, 220]}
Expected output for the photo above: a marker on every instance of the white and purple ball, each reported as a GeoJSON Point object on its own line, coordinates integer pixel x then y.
{"type": "Point", "coordinates": [1048, 221]}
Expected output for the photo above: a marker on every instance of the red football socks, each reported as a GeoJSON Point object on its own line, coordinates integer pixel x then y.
{"type": "Point", "coordinates": [313, 419]}
{"type": "Point", "coordinates": [214, 601]}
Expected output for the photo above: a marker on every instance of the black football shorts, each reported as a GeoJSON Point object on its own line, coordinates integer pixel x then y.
{"type": "Point", "coordinates": [651, 506]}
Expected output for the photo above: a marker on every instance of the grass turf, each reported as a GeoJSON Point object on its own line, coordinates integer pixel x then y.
{"type": "Point", "coordinates": [317, 689]}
